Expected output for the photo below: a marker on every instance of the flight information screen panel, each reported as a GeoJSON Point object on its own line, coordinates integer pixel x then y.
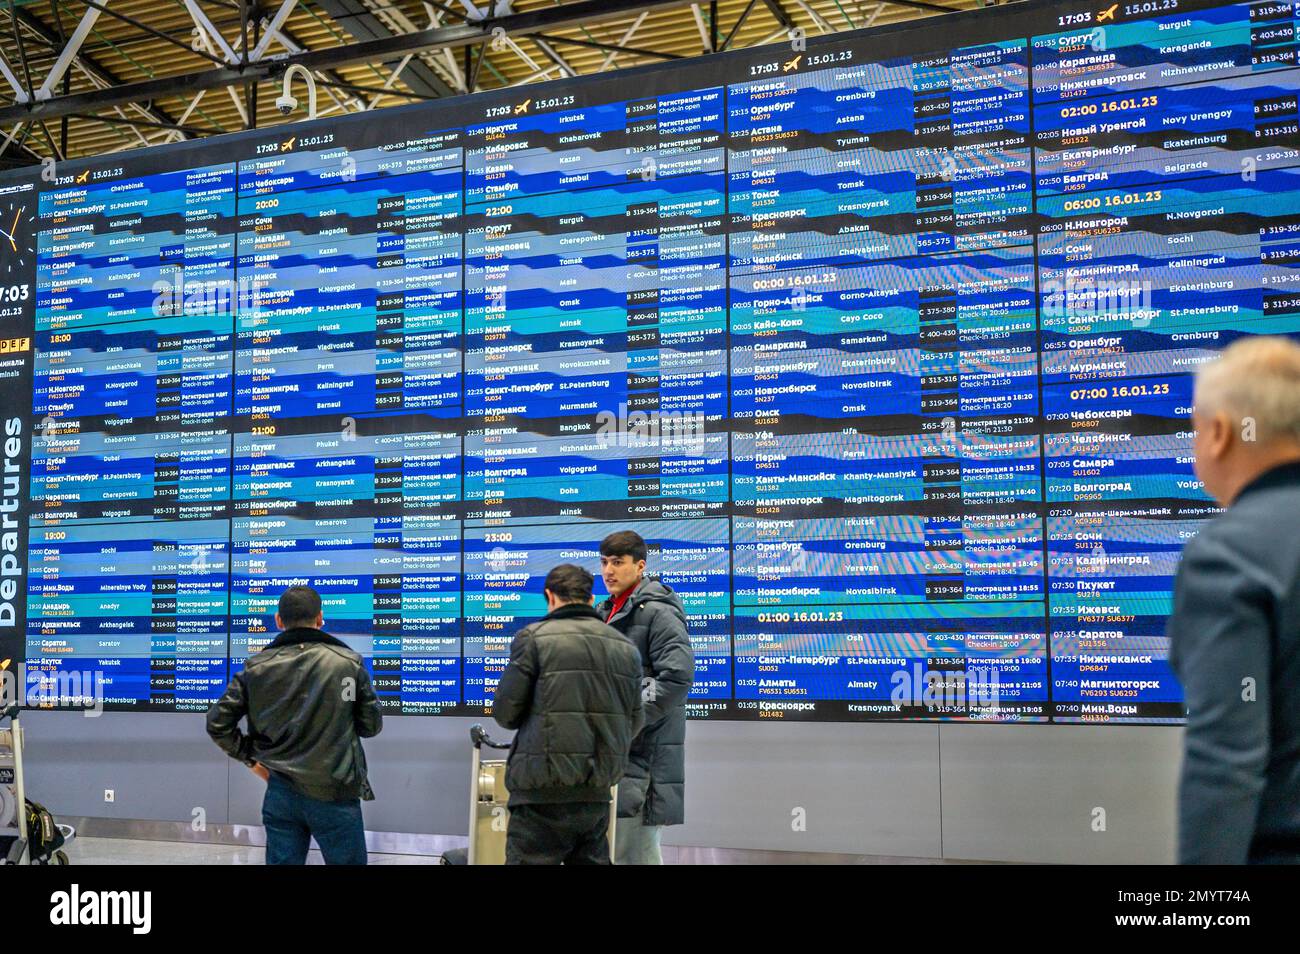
{"type": "Point", "coordinates": [883, 341]}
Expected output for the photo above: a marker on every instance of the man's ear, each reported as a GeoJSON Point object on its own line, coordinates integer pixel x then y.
{"type": "Point", "coordinates": [320, 620]}
{"type": "Point", "coordinates": [278, 624]}
{"type": "Point", "coordinates": [1221, 436]}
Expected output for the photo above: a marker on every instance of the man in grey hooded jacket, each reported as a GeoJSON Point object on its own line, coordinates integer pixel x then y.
{"type": "Point", "coordinates": [653, 790]}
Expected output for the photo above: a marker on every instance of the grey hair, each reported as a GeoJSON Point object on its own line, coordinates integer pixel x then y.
{"type": "Point", "coordinates": [1258, 379]}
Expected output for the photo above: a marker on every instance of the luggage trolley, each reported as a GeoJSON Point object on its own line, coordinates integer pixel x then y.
{"type": "Point", "coordinates": [15, 837]}
{"type": "Point", "coordinates": [489, 817]}
{"type": "Point", "coordinates": [13, 797]}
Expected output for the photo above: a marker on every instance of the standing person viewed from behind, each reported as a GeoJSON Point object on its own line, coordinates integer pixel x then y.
{"type": "Point", "coordinates": [309, 703]}
{"type": "Point", "coordinates": [573, 690]}
{"type": "Point", "coordinates": [653, 792]}
{"type": "Point", "coordinates": [1235, 629]}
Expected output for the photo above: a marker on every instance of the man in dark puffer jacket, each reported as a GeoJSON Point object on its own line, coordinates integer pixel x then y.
{"type": "Point", "coordinates": [573, 690]}
{"type": "Point", "coordinates": [653, 793]}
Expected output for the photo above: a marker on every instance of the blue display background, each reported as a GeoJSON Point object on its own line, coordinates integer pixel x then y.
{"type": "Point", "coordinates": [884, 346]}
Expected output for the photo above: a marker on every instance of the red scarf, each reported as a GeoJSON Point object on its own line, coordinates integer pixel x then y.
{"type": "Point", "coordinates": [618, 603]}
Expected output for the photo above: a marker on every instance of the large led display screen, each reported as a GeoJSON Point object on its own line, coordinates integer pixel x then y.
{"type": "Point", "coordinates": [883, 341]}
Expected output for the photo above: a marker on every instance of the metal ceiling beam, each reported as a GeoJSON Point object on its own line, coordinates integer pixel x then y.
{"type": "Point", "coordinates": [354, 17]}
{"type": "Point", "coordinates": [359, 88]}
{"type": "Point", "coordinates": [818, 20]}
{"type": "Point", "coordinates": [69, 52]}
{"type": "Point", "coordinates": [920, 5]}
{"type": "Point", "coordinates": [607, 47]}
{"type": "Point", "coordinates": [275, 23]}
{"type": "Point", "coordinates": [553, 56]}
{"type": "Point", "coordinates": [445, 9]}
{"type": "Point", "coordinates": [20, 94]}
{"type": "Point", "coordinates": [149, 124]}
{"type": "Point", "coordinates": [382, 49]}
{"type": "Point", "coordinates": [740, 22]}
{"type": "Point", "coordinates": [141, 25]}
{"type": "Point", "coordinates": [213, 35]}
{"type": "Point", "coordinates": [246, 19]}
{"type": "Point", "coordinates": [624, 40]}
{"type": "Point", "coordinates": [22, 52]}
{"type": "Point", "coordinates": [213, 41]}
{"type": "Point", "coordinates": [23, 156]}
{"type": "Point", "coordinates": [778, 11]}
{"type": "Point", "coordinates": [27, 82]}
{"type": "Point", "coordinates": [472, 83]}
{"type": "Point", "coordinates": [705, 41]}
{"type": "Point", "coordinates": [88, 64]}
{"type": "Point", "coordinates": [583, 12]}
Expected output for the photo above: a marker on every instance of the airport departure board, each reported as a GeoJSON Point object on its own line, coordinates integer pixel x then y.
{"type": "Point", "coordinates": [884, 342]}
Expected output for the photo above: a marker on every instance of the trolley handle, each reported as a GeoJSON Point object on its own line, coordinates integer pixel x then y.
{"type": "Point", "coordinates": [478, 737]}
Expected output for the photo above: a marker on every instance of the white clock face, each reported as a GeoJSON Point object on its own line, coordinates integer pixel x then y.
{"type": "Point", "coordinates": [15, 235]}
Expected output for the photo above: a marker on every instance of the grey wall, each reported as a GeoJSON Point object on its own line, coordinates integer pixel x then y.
{"type": "Point", "coordinates": [1007, 793]}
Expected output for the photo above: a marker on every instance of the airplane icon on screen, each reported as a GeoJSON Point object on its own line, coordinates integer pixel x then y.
{"type": "Point", "coordinates": [288, 144]}
{"type": "Point", "coordinates": [523, 107]}
{"type": "Point", "coordinates": [1108, 13]}
{"type": "Point", "coordinates": [793, 64]}
{"type": "Point", "coordinates": [83, 177]}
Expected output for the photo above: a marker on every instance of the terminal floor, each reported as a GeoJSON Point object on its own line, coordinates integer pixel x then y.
{"type": "Point", "coordinates": [128, 851]}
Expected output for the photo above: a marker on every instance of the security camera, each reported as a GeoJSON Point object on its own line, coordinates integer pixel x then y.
{"type": "Point", "coordinates": [287, 103]}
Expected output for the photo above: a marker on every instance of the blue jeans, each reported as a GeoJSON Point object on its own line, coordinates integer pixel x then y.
{"type": "Point", "coordinates": [292, 820]}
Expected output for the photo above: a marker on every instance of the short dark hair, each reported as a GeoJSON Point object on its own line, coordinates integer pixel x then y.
{"type": "Point", "coordinates": [570, 583]}
{"type": "Point", "coordinates": [299, 606]}
{"type": "Point", "coordinates": [623, 543]}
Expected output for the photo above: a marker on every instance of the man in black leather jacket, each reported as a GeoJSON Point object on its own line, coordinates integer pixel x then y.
{"type": "Point", "coordinates": [573, 690]}
{"type": "Point", "coordinates": [309, 703]}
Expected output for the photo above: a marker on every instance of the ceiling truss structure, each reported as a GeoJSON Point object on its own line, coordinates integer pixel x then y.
{"type": "Point", "coordinates": [87, 77]}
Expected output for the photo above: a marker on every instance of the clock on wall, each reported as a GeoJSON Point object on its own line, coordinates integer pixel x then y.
{"type": "Point", "coordinates": [15, 234]}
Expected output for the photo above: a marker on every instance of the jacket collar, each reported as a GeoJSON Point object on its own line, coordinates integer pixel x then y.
{"type": "Point", "coordinates": [570, 610]}
{"type": "Point", "coordinates": [639, 594]}
{"type": "Point", "coordinates": [1281, 475]}
{"type": "Point", "coordinates": [609, 597]}
{"type": "Point", "coordinates": [304, 634]}
{"type": "Point", "coordinates": [647, 589]}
